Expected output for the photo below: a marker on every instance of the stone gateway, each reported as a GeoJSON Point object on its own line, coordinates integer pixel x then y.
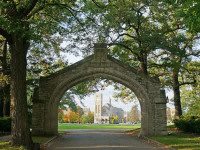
{"type": "Point", "coordinates": [51, 88]}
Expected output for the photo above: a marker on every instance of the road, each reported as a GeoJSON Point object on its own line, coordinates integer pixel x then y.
{"type": "Point", "coordinates": [98, 140]}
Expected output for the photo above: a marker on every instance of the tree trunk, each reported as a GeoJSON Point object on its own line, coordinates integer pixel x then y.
{"type": "Point", "coordinates": [19, 111]}
{"type": "Point", "coordinates": [6, 101]}
{"type": "Point", "coordinates": [1, 104]}
{"type": "Point", "coordinates": [143, 63]}
{"type": "Point", "coordinates": [177, 98]}
{"type": "Point", "coordinates": [7, 111]}
{"type": "Point", "coordinates": [4, 105]}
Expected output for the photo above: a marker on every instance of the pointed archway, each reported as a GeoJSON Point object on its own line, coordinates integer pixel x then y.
{"type": "Point", "coordinates": [51, 88]}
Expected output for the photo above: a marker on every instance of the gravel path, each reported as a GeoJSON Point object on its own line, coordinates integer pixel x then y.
{"type": "Point", "coordinates": [98, 140]}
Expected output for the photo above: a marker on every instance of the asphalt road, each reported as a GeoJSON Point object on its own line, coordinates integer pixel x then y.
{"type": "Point", "coordinates": [98, 140]}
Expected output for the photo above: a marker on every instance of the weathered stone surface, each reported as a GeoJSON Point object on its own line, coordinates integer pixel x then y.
{"type": "Point", "coordinates": [100, 64]}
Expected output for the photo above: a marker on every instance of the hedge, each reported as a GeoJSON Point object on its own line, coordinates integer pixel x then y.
{"type": "Point", "coordinates": [188, 124]}
{"type": "Point", "coordinates": [5, 124]}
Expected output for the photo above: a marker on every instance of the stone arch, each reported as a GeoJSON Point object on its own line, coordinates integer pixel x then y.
{"type": "Point", "coordinates": [100, 64]}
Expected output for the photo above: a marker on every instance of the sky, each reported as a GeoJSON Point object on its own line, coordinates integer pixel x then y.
{"type": "Point", "coordinates": [89, 101]}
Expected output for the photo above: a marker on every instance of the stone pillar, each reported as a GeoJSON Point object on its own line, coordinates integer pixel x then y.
{"type": "Point", "coordinates": [154, 111]}
{"type": "Point", "coordinates": [37, 114]}
{"type": "Point", "coordinates": [45, 119]}
{"type": "Point", "coordinates": [51, 119]}
{"type": "Point", "coordinates": [38, 119]}
{"type": "Point", "coordinates": [147, 119]}
{"type": "Point", "coordinates": [160, 115]}
{"type": "Point", "coordinates": [45, 113]}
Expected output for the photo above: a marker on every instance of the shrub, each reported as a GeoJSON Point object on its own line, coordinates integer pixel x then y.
{"type": "Point", "coordinates": [5, 124]}
{"type": "Point", "coordinates": [188, 124]}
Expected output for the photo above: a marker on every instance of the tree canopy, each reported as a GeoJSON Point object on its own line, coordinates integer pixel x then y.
{"type": "Point", "coordinates": [159, 38]}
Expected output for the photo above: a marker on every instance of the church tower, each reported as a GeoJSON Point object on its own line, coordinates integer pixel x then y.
{"type": "Point", "coordinates": [98, 107]}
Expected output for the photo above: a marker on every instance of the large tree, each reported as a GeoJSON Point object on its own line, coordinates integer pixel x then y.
{"type": "Point", "coordinates": [190, 93]}
{"type": "Point", "coordinates": [22, 23]}
{"type": "Point", "coordinates": [139, 31]}
{"type": "Point", "coordinates": [177, 48]}
{"type": "Point", "coordinates": [132, 32]}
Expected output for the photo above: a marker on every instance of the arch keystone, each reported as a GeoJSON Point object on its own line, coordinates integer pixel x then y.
{"type": "Point", "coordinates": [100, 51]}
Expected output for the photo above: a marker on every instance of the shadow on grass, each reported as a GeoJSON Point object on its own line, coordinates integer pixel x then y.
{"type": "Point", "coordinates": [41, 139]}
{"type": "Point", "coordinates": [179, 140]}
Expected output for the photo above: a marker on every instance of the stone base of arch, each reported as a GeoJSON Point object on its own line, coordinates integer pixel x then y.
{"type": "Point", "coordinates": [153, 118]}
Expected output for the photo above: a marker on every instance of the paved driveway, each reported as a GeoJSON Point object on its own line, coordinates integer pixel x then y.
{"type": "Point", "coordinates": [98, 140]}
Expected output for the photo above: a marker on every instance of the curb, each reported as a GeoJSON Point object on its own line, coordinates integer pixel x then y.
{"type": "Point", "coordinates": [46, 144]}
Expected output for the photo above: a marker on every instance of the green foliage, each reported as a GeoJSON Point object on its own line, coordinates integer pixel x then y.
{"type": "Point", "coordinates": [191, 100]}
{"type": "Point", "coordinates": [123, 94]}
{"type": "Point", "coordinates": [68, 101]}
{"type": "Point", "coordinates": [89, 118]}
{"type": "Point", "coordinates": [114, 119]}
{"type": "Point", "coordinates": [60, 116]}
{"type": "Point", "coordinates": [190, 11]}
{"type": "Point", "coordinates": [188, 124]}
{"type": "Point", "coordinates": [134, 115]}
{"type": "Point", "coordinates": [4, 80]}
{"type": "Point", "coordinates": [80, 91]}
{"type": "Point", "coordinates": [5, 124]}
{"type": "Point", "coordinates": [190, 93]}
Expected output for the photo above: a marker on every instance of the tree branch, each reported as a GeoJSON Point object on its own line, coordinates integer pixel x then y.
{"type": "Point", "coordinates": [184, 83]}
{"type": "Point", "coordinates": [25, 11]}
{"type": "Point", "coordinates": [126, 34]}
{"type": "Point", "coordinates": [98, 5]}
{"type": "Point", "coordinates": [125, 46]}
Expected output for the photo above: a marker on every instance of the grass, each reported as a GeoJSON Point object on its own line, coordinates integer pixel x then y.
{"type": "Point", "coordinates": [36, 139]}
{"type": "Point", "coordinates": [179, 140]}
{"type": "Point", "coordinates": [7, 146]}
{"type": "Point", "coordinates": [68, 126]}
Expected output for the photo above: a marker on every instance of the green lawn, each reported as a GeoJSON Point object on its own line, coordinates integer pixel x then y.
{"type": "Point", "coordinates": [67, 126]}
{"type": "Point", "coordinates": [180, 141]}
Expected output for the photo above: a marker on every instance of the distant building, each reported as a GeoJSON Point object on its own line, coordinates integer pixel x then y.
{"type": "Point", "coordinates": [103, 114]}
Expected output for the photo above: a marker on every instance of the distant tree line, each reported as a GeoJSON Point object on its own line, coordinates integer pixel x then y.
{"type": "Point", "coordinates": [78, 116]}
